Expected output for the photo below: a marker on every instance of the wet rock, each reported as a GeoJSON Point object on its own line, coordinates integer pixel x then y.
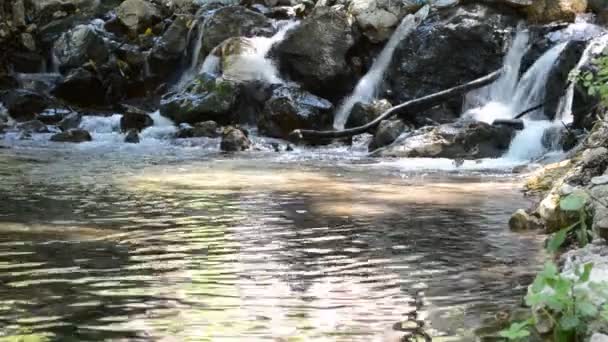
{"type": "Point", "coordinates": [8, 82]}
{"type": "Point", "coordinates": [79, 46]}
{"type": "Point", "coordinates": [378, 18]}
{"type": "Point", "coordinates": [461, 140]}
{"type": "Point", "coordinates": [514, 123]}
{"type": "Point", "coordinates": [33, 126]}
{"type": "Point", "coordinates": [364, 113]}
{"type": "Point", "coordinates": [138, 15]}
{"type": "Point", "coordinates": [233, 21]}
{"type": "Point", "coordinates": [23, 105]}
{"type": "Point", "coordinates": [19, 13]}
{"type": "Point", "coordinates": [28, 42]}
{"type": "Point", "coordinates": [388, 131]}
{"type": "Point", "coordinates": [207, 129]}
{"type": "Point", "coordinates": [559, 138]}
{"type": "Point", "coordinates": [206, 99]}
{"type": "Point", "coordinates": [135, 121]}
{"type": "Point", "coordinates": [169, 49]}
{"type": "Point", "coordinates": [70, 121]}
{"type": "Point", "coordinates": [597, 337]}
{"type": "Point", "coordinates": [315, 53]}
{"type": "Point", "coordinates": [451, 47]}
{"type": "Point", "coordinates": [234, 140]}
{"type": "Point", "coordinates": [81, 87]}
{"type": "Point", "coordinates": [522, 221]}
{"type": "Point", "coordinates": [546, 11]}
{"type": "Point", "coordinates": [132, 136]}
{"type": "Point", "coordinates": [555, 86]}
{"type": "Point", "coordinates": [72, 136]}
{"type": "Point", "coordinates": [292, 108]}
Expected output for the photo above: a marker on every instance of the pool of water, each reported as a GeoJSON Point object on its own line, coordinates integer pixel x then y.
{"type": "Point", "coordinates": [176, 244]}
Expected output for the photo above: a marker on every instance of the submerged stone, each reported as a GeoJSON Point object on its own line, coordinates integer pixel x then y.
{"type": "Point", "coordinates": [72, 136]}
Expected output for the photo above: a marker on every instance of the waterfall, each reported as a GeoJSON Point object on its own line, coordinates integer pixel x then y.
{"type": "Point", "coordinates": [252, 62]}
{"type": "Point", "coordinates": [595, 47]}
{"type": "Point", "coordinates": [510, 95]}
{"type": "Point", "coordinates": [367, 88]}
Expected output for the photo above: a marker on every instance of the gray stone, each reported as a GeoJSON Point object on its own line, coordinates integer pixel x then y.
{"type": "Point", "coordinates": [138, 15]}
{"type": "Point", "coordinates": [234, 140]}
{"type": "Point", "coordinates": [135, 122]}
{"type": "Point", "coordinates": [70, 121]}
{"type": "Point", "coordinates": [19, 13]}
{"type": "Point", "coordinates": [79, 46]}
{"type": "Point", "coordinates": [33, 126]}
{"type": "Point", "coordinates": [599, 180]}
{"type": "Point", "coordinates": [597, 337]}
{"type": "Point", "coordinates": [23, 105]}
{"type": "Point", "coordinates": [72, 136]}
{"type": "Point", "coordinates": [388, 131]}
{"type": "Point", "coordinates": [132, 137]}
{"type": "Point", "coordinates": [522, 221]}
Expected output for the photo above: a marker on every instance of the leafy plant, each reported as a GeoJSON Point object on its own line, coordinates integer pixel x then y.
{"type": "Point", "coordinates": [573, 203]}
{"type": "Point", "coordinates": [596, 82]}
{"type": "Point", "coordinates": [564, 302]}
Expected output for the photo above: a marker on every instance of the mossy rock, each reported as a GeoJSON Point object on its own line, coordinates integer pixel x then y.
{"type": "Point", "coordinates": [546, 178]}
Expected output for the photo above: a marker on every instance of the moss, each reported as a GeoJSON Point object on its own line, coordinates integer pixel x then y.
{"type": "Point", "coordinates": [546, 178]}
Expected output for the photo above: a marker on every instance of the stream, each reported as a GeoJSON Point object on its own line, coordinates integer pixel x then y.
{"type": "Point", "coordinates": [168, 243]}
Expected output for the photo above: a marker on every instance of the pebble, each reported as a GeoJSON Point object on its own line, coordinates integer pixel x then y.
{"type": "Point", "coordinates": [600, 180]}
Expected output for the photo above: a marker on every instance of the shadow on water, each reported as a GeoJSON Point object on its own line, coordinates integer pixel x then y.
{"type": "Point", "coordinates": [250, 249]}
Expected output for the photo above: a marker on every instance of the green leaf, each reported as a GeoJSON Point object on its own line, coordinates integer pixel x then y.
{"type": "Point", "coordinates": [516, 331]}
{"type": "Point", "coordinates": [586, 273]}
{"type": "Point", "coordinates": [573, 202]}
{"type": "Point", "coordinates": [558, 240]}
{"type": "Point", "coordinates": [569, 322]}
{"type": "Point", "coordinates": [604, 313]}
{"type": "Point", "coordinates": [586, 309]}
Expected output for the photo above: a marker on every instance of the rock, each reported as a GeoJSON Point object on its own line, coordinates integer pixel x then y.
{"type": "Point", "coordinates": [559, 138]}
{"type": "Point", "coordinates": [205, 99]}
{"type": "Point", "coordinates": [460, 140]}
{"type": "Point", "coordinates": [207, 129]}
{"type": "Point", "coordinates": [79, 46]}
{"type": "Point", "coordinates": [132, 136]}
{"type": "Point", "coordinates": [234, 140]}
{"type": "Point", "coordinates": [28, 42]}
{"type": "Point", "coordinates": [546, 11]}
{"type": "Point", "coordinates": [388, 131]}
{"type": "Point", "coordinates": [23, 105]}
{"type": "Point", "coordinates": [550, 213]}
{"type": "Point", "coordinates": [559, 76]}
{"type": "Point", "coordinates": [516, 124]}
{"type": "Point", "coordinates": [33, 126]}
{"type": "Point", "coordinates": [233, 21]}
{"type": "Point", "coordinates": [521, 221]}
{"type": "Point", "coordinates": [138, 15]}
{"type": "Point", "coordinates": [72, 136]}
{"type": "Point", "coordinates": [597, 337]}
{"type": "Point", "coordinates": [169, 49]}
{"type": "Point", "coordinates": [70, 121]}
{"type": "Point", "coordinates": [595, 157]}
{"type": "Point", "coordinates": [81, 87]}
{"type": "Point", "coordinates": [599, 180]}
{"type": "Point", "coordinates": [292, 108]}
{"type": "Point", "coordinates": [543, 179]}
{"type": "Point", "coordinates": [19, 13]}
{"type": "Point", "coordinates": [135, 122]}
{"type": "Point", "coordinates": [364, 113]}
{"type": "Point", "coordinates": [314, 53]}
{"type": "Point", "coordinates": [378, 18]}
{"type": "Point", "coordinates": [451, 47]}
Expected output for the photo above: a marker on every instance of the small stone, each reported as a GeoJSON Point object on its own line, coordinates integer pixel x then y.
{"type": "Point", "coordinates": [597, 337]}
{"type": "Point", "coordinates": [600, 180]}
{"type": "Point", "coordinates": [234, 139]}
{"type": "Point", "coordinates": [521, 221]}
{"type": "Point", "coordinates": [132, 137]}
{"type": "Point", "coordinates": [28, 41]}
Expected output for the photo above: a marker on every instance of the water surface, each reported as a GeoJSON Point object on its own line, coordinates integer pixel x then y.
{"type": "Point", "coordinates": [186, 245]}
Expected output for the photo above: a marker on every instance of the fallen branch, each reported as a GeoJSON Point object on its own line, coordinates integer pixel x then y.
{"type": "Point", "coordinates": [407, 108]}
{"type": "Point", "coordinates": [531, 109]}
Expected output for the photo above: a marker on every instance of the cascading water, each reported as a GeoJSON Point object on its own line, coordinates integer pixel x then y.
{"type": "Point", "coordinates": [511, 95]}
{"type": "Point", "coordinates": [251, 63]}
{"type": "Point", "coordinates": [367, 88]}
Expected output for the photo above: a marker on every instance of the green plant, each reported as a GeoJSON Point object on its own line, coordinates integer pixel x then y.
{"type": "Point", "coordinates": [565, 303]}
{"type": "Point", "coordinates": [573, 203]}
{"type": "Point", "coordinates": [596, 82]}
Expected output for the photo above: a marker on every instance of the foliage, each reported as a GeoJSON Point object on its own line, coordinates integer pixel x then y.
{"type": "Point", "coordinates": [573, 203]}
{"type": "Point", "coordinates": [566, 302]}
{"type": "Point", "coordinates": [596, 81]}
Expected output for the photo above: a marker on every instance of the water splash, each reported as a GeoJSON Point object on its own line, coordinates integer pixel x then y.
{"type": "Point", "coordinates": [252, 63]}
{"type": "Point", "coordinates": [367, 88]}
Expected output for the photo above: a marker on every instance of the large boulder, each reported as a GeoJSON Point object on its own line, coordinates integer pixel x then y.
{"type": "Point", "coordinates": [233, 21]}
{"type": "Point", "coordinates": [451, 47]}
{"type": "Point", "coordinates": [169, 49]}
{"type": "Point", "coordinates": [292, 108]}
{"type": "Point", "coordinates": [234, 140]}
{"type": "Point", "coordinates": [460, 140]}
{"type": "Point", "coordinates": [546, 11]}
{"type": "Point", "coordinates": [205, 99]}
{"type": "Point", "coordinates": [78, 46]}
{"type": "Point", "coordinates": [135, 121]}
{"type": "Point", "coordinates": [378, 18]}
{"type": "Point", "coordinates": [48, 10]}
{"type": "Point", "coordinates": [24, 105]}
{"type": "Point", "coordinates": [315, 53]}
{"type": "Point", "coordinates": [559, 76]}
{"type": "Point", "coordinates": [388, 131]}
{"type": "Point", "coordinates": [138, 15]}
{"type": "Point", "coordinates": [81, 87]}
{"type": "Point", "coordinates": [363, 113]}
{"type": "Point", "coordinates": [72, 136]}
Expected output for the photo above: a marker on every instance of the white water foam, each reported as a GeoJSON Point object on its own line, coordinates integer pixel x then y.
{"type": "Point", "coordinates": [251, 64]}
{"type": "Point", "coordinates": [367, 88]}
